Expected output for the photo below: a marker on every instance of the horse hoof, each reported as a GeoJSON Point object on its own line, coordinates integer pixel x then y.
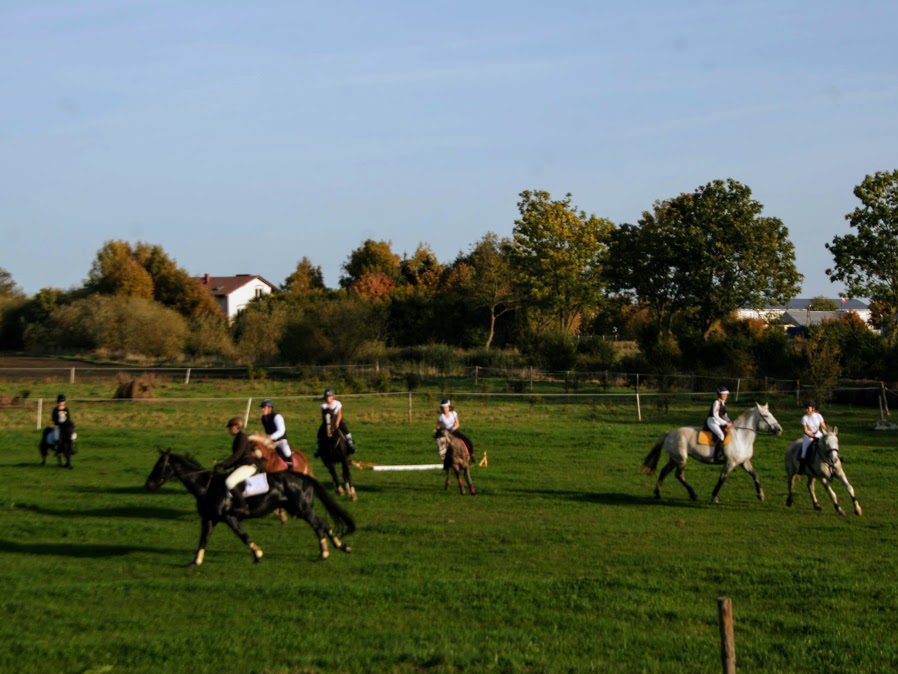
{"type": "Point", "coordinates": [715, 500]}
{"type": "Point", "coordinates": [473, 491]}
{"type": "Point", "coordinates": [858, 511]}
{"type": "Point", "coordinates": [346, 549]}
{"type": "Point", "coordinates": [818, 507]}
{"type": "Point", "coordinates": [761, 496]}
{"type": "Point", "coordinates": [340, 491]}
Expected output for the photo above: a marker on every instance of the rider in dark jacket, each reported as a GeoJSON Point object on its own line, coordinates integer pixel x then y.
{"type": "Point", "coordinates": [242, 459]}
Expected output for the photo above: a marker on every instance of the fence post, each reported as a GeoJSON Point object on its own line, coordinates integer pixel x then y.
{"type": "Point", "coordinates": [72, 376]}
{"type": "Point", "coordinates": [410, 407]}
{"type": "Point", "coordinates": [727, 638]}
{"type": "Point", "coordinates": [798, 392]}
{"type": "Point", "coordinates": [476, 373]}
{"type": "Point", "coordinates": [638, 406]}
{"type": "Point", "coordinates": [738, 385]}
{"type": "Point", "coordinates": [249, 402]}
{"type": "Point", "coordinates": [40, 411]}
{"type": "Point", "coordinates": [187, 377]}
{"type": "Point", "coordinates": [531, 379]}
{"type": "Point", "coordinates": [885, 400]}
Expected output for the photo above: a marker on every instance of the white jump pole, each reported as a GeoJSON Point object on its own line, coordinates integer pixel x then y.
{"type": "Point", "coordinates": [423, 466]}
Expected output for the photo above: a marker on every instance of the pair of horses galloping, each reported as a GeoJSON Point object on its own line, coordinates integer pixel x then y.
{"type": "Point", "coordinates": [683, 443]}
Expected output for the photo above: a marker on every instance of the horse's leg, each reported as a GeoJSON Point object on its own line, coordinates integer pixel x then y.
{"type": "Point", "coordinates": [446, 486]}
{"type": "Point", "coordinates": [300, 505]}
{"type": "Point", "coordinates": [206, 527]}
{"type": "Point", "coordinates": [347, 479]}
{"type": "Point", "coordinates": [679, 474]}
{"type": "Point", "coordinates": [468, 478]}
{"type": "Point", "coordinates": [832, 495]}
{"type": "Point", "coordinates": [724, 474]}
{"type": "Point", "coordinates": [791, 479]}
{"type": "Point", "coordinates": [811, 482]}
{"type": "Point", "coordinates": [461, 486]}
{"type": "Point", "coordinates": [844, 478]}
{"type": "Point", "coordinates": [750, 469]}
{"type": "Point", "coordinates": [334, 478]}
{"type": "Point", "coordinates": [671, 464]}
{"type": "Point", "coordinates": [234, 523]}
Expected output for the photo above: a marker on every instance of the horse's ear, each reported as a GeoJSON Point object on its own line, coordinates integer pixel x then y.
{"type": "Point", "coordinates": [835, 430]}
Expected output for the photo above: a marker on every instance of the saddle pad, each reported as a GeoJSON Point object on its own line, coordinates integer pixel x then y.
{"type": "Point", "coordinates": [255, 485]}
{"type": "Point", "coordinates": [708, 438]}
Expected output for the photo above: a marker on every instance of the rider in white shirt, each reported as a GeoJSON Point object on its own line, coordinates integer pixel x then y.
{"type": "Point", "coordinates": [448, 419]}
{"type": "Point", "coordinates": [718, 421]}
{"type": "Point", "coordinates": [813, 425]}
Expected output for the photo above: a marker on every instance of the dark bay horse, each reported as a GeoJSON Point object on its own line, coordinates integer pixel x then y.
{"type": "Point", "coordinates": [63, 447]}
{"type": "Point", "coordinates": [683, 443]}
{"type": "Point", "coordinates": [294, 492]}
{"type": "Point", "coordinates": [456, 457]}
{"type": "Point", "coordinates": [825, 464]}
{"type": "Point", "coordinates": [334, 449]}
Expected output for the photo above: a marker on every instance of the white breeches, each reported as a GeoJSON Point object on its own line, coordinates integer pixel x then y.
{"type": "Point", "coordinates": [283, 448]}
{"type": "Point", "coordinates": [715, 428]}
{"type": "Point", "coordinates": [239, 475]}
{"type": "Point", "coordinates": [805, 443]}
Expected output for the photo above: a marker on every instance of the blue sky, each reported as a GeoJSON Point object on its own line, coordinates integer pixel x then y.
{"type": "Point", "coordinates": [243, 136]}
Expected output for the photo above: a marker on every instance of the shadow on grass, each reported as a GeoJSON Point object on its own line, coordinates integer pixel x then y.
{"type": "Point", "coordinates": [608, 498]}
{"type": "Point", "coordinates": [73, 549]}
{"type": "Point", "coordinates": [129, 513]}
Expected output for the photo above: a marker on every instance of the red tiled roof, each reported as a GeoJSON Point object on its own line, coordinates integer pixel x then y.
{"type": "Point", "coordinates": [225, 285]}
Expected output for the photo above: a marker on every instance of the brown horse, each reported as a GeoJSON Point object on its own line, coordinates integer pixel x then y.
{"type": "Point", "coordinates": [456, 457]}
{"type": "Point", "coordinates": [266, 453]}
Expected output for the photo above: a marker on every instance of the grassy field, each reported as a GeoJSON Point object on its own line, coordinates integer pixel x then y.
{"type": "Point", "coordinates": [563, 562]}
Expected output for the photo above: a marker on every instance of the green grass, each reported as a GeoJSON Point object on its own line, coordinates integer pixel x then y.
{"type": "Point", "coordinates": [562, 563]}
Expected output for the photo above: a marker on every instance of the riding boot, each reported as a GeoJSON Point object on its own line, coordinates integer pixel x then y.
{"type": "Point", "coordinates": [239, 505]}
{"type": "Point", "coordinates": [718, 452]}
{"type": "Point", "coordinates": [288, 460]}
{"type": "Point", "coordinates": [350, 443]}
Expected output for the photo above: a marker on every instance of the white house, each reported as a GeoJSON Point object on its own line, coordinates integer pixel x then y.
{"type": "Point", "coordinates": [234, 292]}
{"type": "Point", "coordinates": [797, 313]}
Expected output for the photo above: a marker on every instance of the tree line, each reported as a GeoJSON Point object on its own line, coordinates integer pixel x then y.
{"type": "Point", "coordinates": [560, 293]}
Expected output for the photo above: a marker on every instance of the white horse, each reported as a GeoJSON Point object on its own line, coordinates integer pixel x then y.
{"type": "Point", "coordinates": [683, 443]}
{"type": "Point", "coordinates": [825, 463]}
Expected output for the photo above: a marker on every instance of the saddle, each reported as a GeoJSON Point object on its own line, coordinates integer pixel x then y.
{"type": "Point", "coordinates": [255, 485]}
{"type": "Point", "coordinates": [706, 437]}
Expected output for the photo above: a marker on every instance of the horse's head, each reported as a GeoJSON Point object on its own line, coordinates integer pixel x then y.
{"type": "Point", "coordinates": [161, 473]}
{"type": "Point", "coordinates": [828, 446]}
{"type": "Point", "coordinates": [766, 421]}
{"type": "Point", "coordinates": [441, 435]}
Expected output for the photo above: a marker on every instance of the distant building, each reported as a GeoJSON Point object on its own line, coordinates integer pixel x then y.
{"type": "Point", "coordinates": [795, 315]}
{"type": "Point", "coordinates": [234, 292]}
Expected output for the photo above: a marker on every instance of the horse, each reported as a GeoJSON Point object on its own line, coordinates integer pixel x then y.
{"type": "Point", "coordinates": [63, 446]}
{"type": "Point", "coordinates": [683, 443]}
{"type": "Point", "coordinates": [824, 463]}
{"type": "Point", "coordinates": [333, 449]}
{"type": "Point", "coordinates": [294, 492]}
{"type": "Point", "coordinates": [455, 455]}
{"type": "Point", "coordinates": [266, 453]}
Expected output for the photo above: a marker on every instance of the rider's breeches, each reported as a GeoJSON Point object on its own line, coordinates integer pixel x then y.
{"type": "Point", "coordinates": [715, 429]}
{"type": "Point", "coordinates": [805, 443]}
{"type": "Point", "coordinates": [238, 475]}
{"type": "Point", "coordinates": [283, 448]}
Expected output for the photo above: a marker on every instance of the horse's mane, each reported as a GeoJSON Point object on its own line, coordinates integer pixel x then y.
{"type": "Point", "coordinates": [742, 418]}
{"type": "Point", "coordinates": [191, 461]}
{"type": "Point", "coordinates": [262, 439]}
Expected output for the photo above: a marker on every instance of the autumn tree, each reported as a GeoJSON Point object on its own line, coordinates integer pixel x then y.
{"type": "Point", "coordinates": [116, 271]}
{"type": "Point", "coordinates": [867, 261]}
{"type": "Point", "coordinates": [701, 256]}
{"type": "Point", "coordinates": [372, 257]}
{"type": "Point", "coordinates": [8, 287]}
{"type": "Point", "coordinates": [305, 280]}
{"type": "Point", "coordinates": [484, 276]}
{"type": "Point", "coordinates": [556, 257]}
{"type": "Point", "coordinates": [422, 270]}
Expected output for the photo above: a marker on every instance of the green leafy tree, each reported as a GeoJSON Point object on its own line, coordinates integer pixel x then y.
{"type": "Point", "coordinates": [704, 255]}
{"type": "Point", "coordinates": [372, 257]}
{"type": "Point", "coordinates": [484, 277]}
{"type": "Point", "coordinates": [821, 303]}
{"type": "Point", "coordinates": [556, 258]}
{"type": "Point", "coordinates": [867, 261]}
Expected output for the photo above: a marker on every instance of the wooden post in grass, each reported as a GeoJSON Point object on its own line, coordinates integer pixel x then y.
{"type": "Point", "coordinates": [727, 639]}
{"type": "Point", "coordinates": [249, 402]}
{"type": "Point", "coordinates": [638, 408]}
{"type": "Point", "coordinates": [187, 377]}
{"type": "Point", "coordinates": [72, 376]}
{"type": "Point", "coordinates": [410, 407]}
{"type": "Point", "coordinates": [40, 411]}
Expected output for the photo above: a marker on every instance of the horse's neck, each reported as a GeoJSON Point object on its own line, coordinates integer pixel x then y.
{"type": "Point", "coordinates": [195, 478]}
{"type": "Point", "coordinates": [748, 420]}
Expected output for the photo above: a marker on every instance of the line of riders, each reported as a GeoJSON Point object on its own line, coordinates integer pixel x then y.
{"type": "Point", "coordinates": [719, 424]}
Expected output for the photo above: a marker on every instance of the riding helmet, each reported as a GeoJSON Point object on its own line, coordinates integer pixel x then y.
{"type": "Point", "coordinates": [722, 389]}
{"type": "Point", "coordinates": [810, 403]}
{"type": "Point", "coordinates": [328, 392]}
{"type": "Point", "coordinates": [268, 402]}
{"type": "Point", "coordinates": [235, 421]}
{"type": "Point", "coordinates": [445, 403]}
{"type": "Point", "coordinates": [60, 398]}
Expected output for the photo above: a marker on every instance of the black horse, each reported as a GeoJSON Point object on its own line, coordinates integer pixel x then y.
{"type": "Point", "coordinates": [334, 449]}
{"type": "Point", "coordinates": [63, 447]}
{"type": "Point", "coordinates": [294, 492]}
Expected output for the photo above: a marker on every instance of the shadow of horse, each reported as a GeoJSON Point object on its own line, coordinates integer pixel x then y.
{"type": "Point", "coordinates": [61, 439]}
{"type": "Point", "coordinates": [333, 449]}
{"type": "Point", "coordinates": [74, 550]}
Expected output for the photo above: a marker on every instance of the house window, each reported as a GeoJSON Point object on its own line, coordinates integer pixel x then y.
{"type": "Point", "coordinates": [259, 292]}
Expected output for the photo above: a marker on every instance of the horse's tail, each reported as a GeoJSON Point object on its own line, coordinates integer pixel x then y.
{"type": "Point", "coordinates": [650, 462]}
{"type": "Point", "coordinates": [343, 521]}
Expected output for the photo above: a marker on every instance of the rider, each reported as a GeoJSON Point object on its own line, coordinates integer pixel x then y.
{"type": "Point", "coordinates": [813, 425]}
{"type": "Point", "coordinates": [448, 419]}
{"type": "Point", "coordinates": [60, 416]}
{"type": "Point", "coordinates": [718, 422]}
{"type": "Point", "coordinates": [274, 425]}
{"type": "Point", "coordinates": [333, 407]}
{"type": "Point", "coordinates": [243, 457]}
